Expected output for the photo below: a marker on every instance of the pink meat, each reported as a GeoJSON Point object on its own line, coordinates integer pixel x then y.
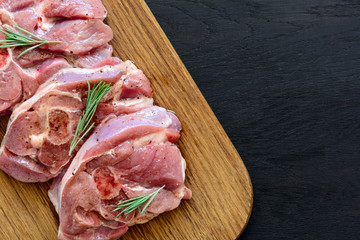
{"type": "Point", "coordinates": [10, 82]}
{"type": "Point", "coordinates": [132, 84]}
{"type": "Point", "coordinates": [41, 129]}
{"type": "Point", "coordinates": [85, 9]}
{"type": "Point", "coordinates": [33, 57]}
{"type": "Point", "coordinates": [49, 68]}
{"type": "Point", "coordinates": [21, 77]}
{"type": "Point", "coordinates": [126, 157]}
{"type": "Point", "coordinates": [77, 36]}
{"type": "Point", "coordinates": [98, 57]}
{"type": "Point", "coordinates": [15, 83]}
{"type": "Point", "coordinates": [15, 5]}
{"type": "Point", "coordinates": [26, 19]}
{"type": "Point", "coordinates": [18, 83]}
{"type": "Point", "coordinates": [77, 24]}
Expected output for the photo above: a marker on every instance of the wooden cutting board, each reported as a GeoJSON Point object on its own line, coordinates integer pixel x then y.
{"type": "Point", "coordinates": [222, 191]}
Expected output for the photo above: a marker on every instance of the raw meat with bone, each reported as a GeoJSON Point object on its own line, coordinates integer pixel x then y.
{"type": "Point", "coordinates": [77, 24]}
{"type": "Point", "coordinates": [126, 157]}
{"type": "Point", "coordinates": [36, 145]}
{"type": "Point", "coordinates": [17, 83]}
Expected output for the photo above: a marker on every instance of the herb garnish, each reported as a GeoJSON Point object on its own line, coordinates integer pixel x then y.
{"type": "Point", "coordinates": [16, 39]}
{"type": "Point", "coordinates": [134, 203]}
{"type": "Point", "coordinates": [93, 99]}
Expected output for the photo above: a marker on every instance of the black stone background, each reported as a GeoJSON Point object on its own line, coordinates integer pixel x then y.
{"type": "Point", "coordinates": [282, 76]}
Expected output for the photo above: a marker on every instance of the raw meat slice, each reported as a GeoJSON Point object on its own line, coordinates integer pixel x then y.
{"type": "Point", "coordinates": [84, 9]}
{"type": "Point", "coordinates": [98, 57]}
{"type": "Point", "coordinates": [23, 76]}
{"type": "Point", "coordinates": [77, 36]}
{"type": "Point", "coordinates": [49, 68]}
{"type": "Point", "coordinates": [33, 57]}
{"type": "Point", "coordinates": [36, 145]}
{"type": "Point", "coordinates": [15, 5]}
{"type": "Point", "coordinates": [26, 19]}
{"type": "Point", "coordinates": [126, 157]}
{"type": "Point", "coordinates": [17, 83]}
{"type": "Point", "coordinates": [14, 81]}
{"type": "Point", "coordinates": [86, 33]}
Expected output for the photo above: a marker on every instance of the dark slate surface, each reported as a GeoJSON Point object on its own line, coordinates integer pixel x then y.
{"type": "Point", "coordinates": [283, 77]}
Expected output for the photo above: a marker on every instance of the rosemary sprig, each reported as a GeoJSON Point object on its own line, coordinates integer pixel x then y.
{"type": "Point", "coordinates": [133, 203]}
{"type": "Point", "coordinates": [17, 39]}
{"type": "Point", "coordinates": [93, 99]}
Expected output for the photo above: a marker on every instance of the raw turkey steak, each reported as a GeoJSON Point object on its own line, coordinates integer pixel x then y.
{"type": "Point", "coordinates": [126, 157]}
{"type": "Point", "coordinates": [36, 145]}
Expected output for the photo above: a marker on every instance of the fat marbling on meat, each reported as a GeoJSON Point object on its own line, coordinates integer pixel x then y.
{"type": "Point", "coordinates": [36, 145]}
{"type": "Point", "coordinates": [126, 157]}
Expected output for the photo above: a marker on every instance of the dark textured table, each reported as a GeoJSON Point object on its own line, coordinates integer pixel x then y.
{"type": "Point", "coordinates": [283, 79]}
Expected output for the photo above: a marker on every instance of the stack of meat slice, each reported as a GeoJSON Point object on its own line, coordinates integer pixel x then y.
{"type": "Point", "coordinates": [79, 27]}
{"type": "Point", "coordinates": [130, 153]}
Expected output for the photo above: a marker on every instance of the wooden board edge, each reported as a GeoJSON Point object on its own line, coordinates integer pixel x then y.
{"type": "Point", "coordinates": [172, 49]}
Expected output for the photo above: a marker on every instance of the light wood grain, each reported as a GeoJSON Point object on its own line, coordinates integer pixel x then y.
{"type": "Point", "coordinates": [222, 192]}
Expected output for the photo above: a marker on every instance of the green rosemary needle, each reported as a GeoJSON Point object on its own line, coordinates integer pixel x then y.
{"type": "Point", "coordinates": [133, 203]}
{"type": "Point", "coordinates": [17, 39]}
{"type": "Point", "coordinates": [93, 99]}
